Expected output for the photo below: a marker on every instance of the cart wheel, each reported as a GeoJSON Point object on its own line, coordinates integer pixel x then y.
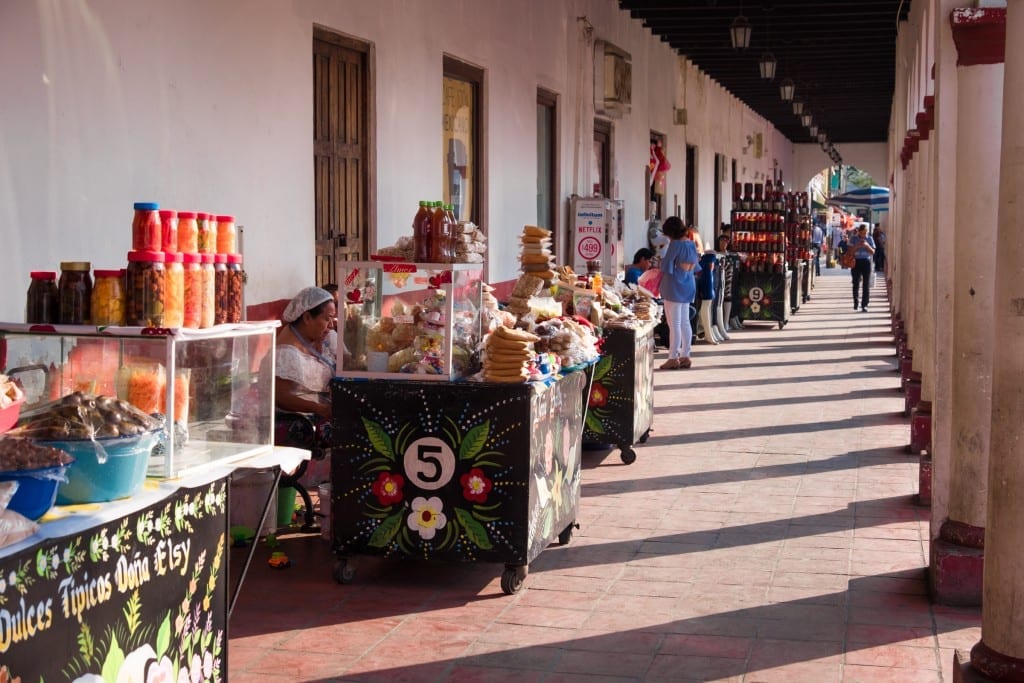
{"type": "Point", "coordinates": [643, 437]}
{"type": "Point", "coordinates": [628, 455]}
{"type": "Point", "coordinates": [512, 578]}
{"type": "Point", "coordinates": [344, 572]}
{"type": "Point", "coordinates": [566, 535]}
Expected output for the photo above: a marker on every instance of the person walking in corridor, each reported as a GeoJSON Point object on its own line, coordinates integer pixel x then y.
{"type": "Point", "coordinates": [817, 238]}
{"type": "Point", "coordinates": [678, 289]}
{"type": "Point", "coordinates": [863, 248]}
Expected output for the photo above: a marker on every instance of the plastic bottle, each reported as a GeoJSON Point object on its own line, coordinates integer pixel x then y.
{"type": "Point", "coordinates": [42, 304]}
{"type": "Point", "coordinates": [422, 233]}
{"type": "Point", "coordinates": [441, 238]}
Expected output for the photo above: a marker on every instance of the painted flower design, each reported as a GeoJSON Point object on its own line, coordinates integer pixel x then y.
{"type": "Point", "coordinates": [475, 485]}
{"type": "Point", "coordinates": [755, 308]}
{"type": "Point", "coordinates": [388, 488]}
{"type": "Point", "coordinates": [598, 395]}
{"type": "Point", "coordinates": [426, 517]}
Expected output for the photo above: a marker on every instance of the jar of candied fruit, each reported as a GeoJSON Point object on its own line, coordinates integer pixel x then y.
{"type": "Point", "coordinates": [145, 283]}
{"type": "Point", "coordinates": [42, 305]}
{"type": "Point", "coordinates": [236, 281]}
{"type": "Point", "coordinates": [207, 309]}
{"type": "Point", "coordinates": [174, 291]}
{"type": "Point", "coordinates": [193, 295]}
{"type": "Point", "coordinates": [226, 234]}
{"type": "Point", "coordinates": [188, 232]}
{"type": "Point", "coordinates": [168, 231]}
{"type": "Point", "coordinates": [107, 305]}
{"type": "Point", "coordinates": [146, 229]}
{"type": "Point", "coordinates": [74, 293]}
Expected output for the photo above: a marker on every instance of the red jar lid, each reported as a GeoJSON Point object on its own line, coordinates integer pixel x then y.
{"type": "Point", "coordinates": [186, 214]}
{"type": "Point", "coordinates": [168, 213]}
{"type": "Point", "coordinates": [107, 273]}
{"type": "Point", "coordinates": [202, 215]}
{"type": "Point", "coordinates": [139, 256]}
{"type": "Point", "coordinates": [43, 275]}
{"type": "Point", "coordinates": [234, 258]}
{"type": "Point", "coordinates": [220, 258]}
{"type": "Point", "coordinates": [190, 258]}
{"type": "Point", "coordinates": [225, 219]}
{"type": "Point", "coordinates": [173, 256]}
{"type": "Point", "coordinates": [207, 258]}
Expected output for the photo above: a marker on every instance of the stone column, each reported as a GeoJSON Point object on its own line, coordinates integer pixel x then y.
{"type": "Point", "coordinates": [957, 555]}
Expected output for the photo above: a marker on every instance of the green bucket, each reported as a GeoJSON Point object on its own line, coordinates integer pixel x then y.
{"type": "Point", "coordinates": [285, 505]}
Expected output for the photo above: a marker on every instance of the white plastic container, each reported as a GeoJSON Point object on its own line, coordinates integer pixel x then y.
{"type": "Point", "coordinates": [249, 491]}
{"type": "Point", "coordinates": [324, 506]}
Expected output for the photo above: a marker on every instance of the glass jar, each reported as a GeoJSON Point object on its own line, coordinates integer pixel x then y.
{"type": "Point", "coordinates": [74, 292]}
{"type": "Point", "coordinates": [188, 232]}
{"type": "Point", "coordinates": [144, 289]}
{"type": "Point", "coordinates": [207, 233]}
{"type": "Point", "coordinates": [146, 231]}
{"type": "Point", "coordinates": [236, 281]}
{"type": "Point", "coordinates": [168, 231]}
{"type": "Point", "coordinates": [209, 292]}
{"type": "Point", "coordinates": [193, 300]}
{"type": "Point", "coordinates": [226, 240]}
{"type": "Point", "coordinates": [174, 291]}
{"type": "Point", "coordinates": [107, 305]}
{"type": "Point", "coordinates": [220, 288]}
{"type": "Point", "coordinates": [42, 305]}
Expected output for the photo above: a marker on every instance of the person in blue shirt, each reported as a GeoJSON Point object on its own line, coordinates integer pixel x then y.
{"type": "Point", "coordinates": [641, 262]}
{"type": "Point", "coordinates": [863, 248]}
{"type": "Point", "coordinates": [678, 289]}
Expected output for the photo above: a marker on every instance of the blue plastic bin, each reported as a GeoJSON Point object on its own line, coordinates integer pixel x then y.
{"type": "Point", "coordinates": [105, 469]}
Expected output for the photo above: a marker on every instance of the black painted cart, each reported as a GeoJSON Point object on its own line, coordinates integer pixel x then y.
{"type": "Point", "coordinates": [456, 471]}
{"type": "Point", "coordinates": [761, 297]}
{"type": "Point", "coordinates": [620, 405]}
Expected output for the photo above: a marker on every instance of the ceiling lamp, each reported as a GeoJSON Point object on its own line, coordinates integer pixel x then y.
{"type": "Point", "coordinates": [767, 66]}
{"type": "Point", "coordinates": [740, 31]}
{"type": "Point", "coordinates": [806, 120]}
{"type": "Point", "coordinates": [798, 107]}
{"type": "Point", "coordinates": [813, 130]}
{"type": "Point", "coordinates": [822, 138]}
{"type": "Point", "coordinates": [786, 88]}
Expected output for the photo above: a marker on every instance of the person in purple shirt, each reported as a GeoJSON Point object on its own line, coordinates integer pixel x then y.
{"type": "Point", "coordinates": [678, 290]}
{"type": "Point", "coordinates": [863, 248]}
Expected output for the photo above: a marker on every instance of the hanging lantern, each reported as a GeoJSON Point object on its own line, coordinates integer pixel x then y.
{"type": "Point", "coordinates": [813, 130]}
{"type": "Point", "coordinates": [806, 119]}
{"type": "Point", "coordinates": [822, 138]}
{"type": "Point", "coordinates": [767, 66]}
{"type": "Point", "coordinates": [798, 107]}
{"type": "Point", "coordinates": [739, 32]}
{"type": "Point", "coordinates": [786, 89]}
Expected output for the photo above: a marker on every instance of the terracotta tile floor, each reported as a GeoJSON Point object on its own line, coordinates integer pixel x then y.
{"type": "Point", "coordinates": [766, 532]}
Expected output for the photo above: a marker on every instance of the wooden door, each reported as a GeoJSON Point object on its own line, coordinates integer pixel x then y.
{"type": "Point", "coordinates": [341, 149]}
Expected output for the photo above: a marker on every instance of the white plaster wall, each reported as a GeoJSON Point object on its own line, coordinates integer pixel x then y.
{"type": "Point", "coordinates": [208, 106]}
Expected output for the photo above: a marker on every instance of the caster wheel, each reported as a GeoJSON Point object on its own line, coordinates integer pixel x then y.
{"type": "Point", "coordinates": [566, 535]}
{"type": "Point", "coordinates": [645, 436]}
{"type": "Point", "coordinates": [344, 572]}
{"type": "Point", "coordinates": [628, 455]}
{"type": "Point", "coordinates": [512, 579]}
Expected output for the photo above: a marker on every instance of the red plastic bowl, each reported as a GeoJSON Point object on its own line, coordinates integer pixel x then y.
{"type": "Point", "coordinates": [9, 415]}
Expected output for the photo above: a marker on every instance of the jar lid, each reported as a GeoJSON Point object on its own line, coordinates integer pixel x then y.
{"type": "Point", "coordinates": [146, 206]}
{"type": "Point", "coordinates": [186, 214]}
{"type": "Point", "coordinates": [234, 258]}
{"type": "Point", "coordinates": [140, 256]}
{"type": "Point", "coordinates": [202, 215]}
{"type": "Point", "coordinates": [168, 213]}
{"type": "Point", "coordinates": [43, 275]}
{"type": "Point", "coordinates": [76, 265]}
{"type": "Point", "coordinates": [207, 258]}
{"type": "Point", "coordinates": [107, 273]}
{"type": "Point", "coordinates": [190, 257]}
{"type": "Point", "coordinates": [173, 257]}
{"type": "Point", "coordinates": [220, 258]}
{"type": "Point", "coordinates": [225, 219]}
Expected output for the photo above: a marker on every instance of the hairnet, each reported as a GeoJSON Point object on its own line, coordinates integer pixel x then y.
{"type": "Point", "coordinates": [305, 300]}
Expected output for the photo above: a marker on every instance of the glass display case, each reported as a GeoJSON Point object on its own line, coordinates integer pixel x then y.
{"type": "Point", "coordinates": [403, 320]}
{"type": "Point", "coordinates": [212, 387]}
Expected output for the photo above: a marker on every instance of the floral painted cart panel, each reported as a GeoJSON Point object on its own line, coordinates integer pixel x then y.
{"type": "Point", "coordinates": [762, 297]}
{"type": "Point", "coordinates": [142, 598]}
{"type": "Point", "coordinates": [459, 471]}
{"type": "Point", "coordinates": [621, 402]}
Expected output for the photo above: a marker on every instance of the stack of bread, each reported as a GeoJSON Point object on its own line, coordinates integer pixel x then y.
{"type": "Point", "coordinates": [536, 257]}
{"type": "Point", "coordinates": [525, 287]}
{"type": "Point", "coordinates": [403, 249]}
{"type": "Point", "coordinates": [507, 355]}
{"type": "Point", "coordinates": [470, 243]}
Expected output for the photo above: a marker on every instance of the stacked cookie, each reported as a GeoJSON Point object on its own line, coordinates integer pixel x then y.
{"type": "Point", "coordinates": [470, 243]}
{"type": "Point", "coordinates": [507, 355]}
{"type": "Point", "coordinates": [536, 257]}
{"type": "Point", "coordinates": [525, 287]}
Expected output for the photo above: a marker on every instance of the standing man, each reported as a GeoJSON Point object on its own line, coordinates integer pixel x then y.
{"type": "Point", "coordinates": [879, 236]}
{"type": "Point", "coordinates": [817, 237]}
{"type": "Point", "coordinates": [863, 248]}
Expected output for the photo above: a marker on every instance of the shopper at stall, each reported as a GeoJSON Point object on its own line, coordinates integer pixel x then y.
{"type": "Point", "coordinates": [304, 361]}
{"type": "Point", "coordinates": [879, 236]}
{"type": "Point", "coordinates": [693, 234]}
{"type": "Point", "coordinates": [817, 238]}
{"type": "Point", "coordinates": [641, 263]}
{"type": "Point", "coordinates": [678, 290]}
{"type": "Point", "coordinates": [863, 248]}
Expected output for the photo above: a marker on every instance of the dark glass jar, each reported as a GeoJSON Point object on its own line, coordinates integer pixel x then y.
{"type": "Point", "coordinates": [220, 289]}
{"type": "Point", "coordinates": [74, 292]}
{"type": "Point", "coordinates": [145, 284]}
{"type": "Point", "coordinates": [236, 282]}
{"type": "Point", "coordinates": [42, 305]}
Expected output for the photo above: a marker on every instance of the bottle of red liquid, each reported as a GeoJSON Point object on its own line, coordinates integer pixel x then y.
{"type": "Point", "coordinates": [422, 233]}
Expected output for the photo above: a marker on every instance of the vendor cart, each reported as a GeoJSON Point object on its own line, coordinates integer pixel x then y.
{"type": "Point", "coordinates": [464, 471]}
{"type": "Point", "coordinates": [620, 404]}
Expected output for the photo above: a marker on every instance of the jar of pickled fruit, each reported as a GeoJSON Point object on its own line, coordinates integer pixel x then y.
{"type": "Point", "coordinates": [74, 293]}
{"type": "Point", "coordinates": [236, 281]}
{"type": "Point", "coordinates": [41, 303]}
{"type": "Point", "coordinates": [207, 233]}
{"type": "Point", "coordinates": [168, 231]}
{"type": "Point", "coordinates": [146, 233]}
{"type": "Point", "coordinates": [174, 291]}
{"type": "Point", "coordinates": [226, 242]}
{"type": "Point", "coordinates": [144, 289]}
{"type": "Point", "coordinates": [107, 306]}
{"type": "Point", "coordinates": [207, 309]}
{"type": "Point", "coordinates": [188, 232]}
{"type": "Point", "coordinates": [193, 299]}
{"type": "Point", "coordinates": [220, 288]}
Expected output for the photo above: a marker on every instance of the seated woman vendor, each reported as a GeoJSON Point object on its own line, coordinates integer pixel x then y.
{"type": "Point", "coordinates": [305, 361]}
